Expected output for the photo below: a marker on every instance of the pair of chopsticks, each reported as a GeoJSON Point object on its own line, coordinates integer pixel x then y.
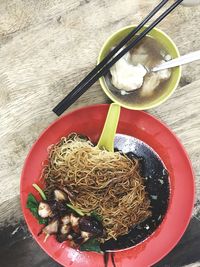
{"type": "Point", "coordinates": [103, 67]}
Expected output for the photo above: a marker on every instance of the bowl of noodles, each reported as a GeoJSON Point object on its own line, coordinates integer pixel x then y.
{"type": "Point", "coordinates": [86, 206]}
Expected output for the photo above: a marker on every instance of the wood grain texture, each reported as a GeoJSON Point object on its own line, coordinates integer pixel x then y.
{"type": "Point", "coordinates": [47, 46]}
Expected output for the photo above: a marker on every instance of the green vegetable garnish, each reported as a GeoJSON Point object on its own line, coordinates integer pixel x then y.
{"type": "Point", "coordinates": [96, 216]}
{"type": "Point", "coordinates": [76, 210]}
{"type": "Point", "coordinates": [91, 245]}
{"type": "Point", "coordinates": [42, 194]}
{"type": "Point", "coordinates": [32, 204]}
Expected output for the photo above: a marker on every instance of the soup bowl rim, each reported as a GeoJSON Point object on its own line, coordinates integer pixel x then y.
{"type": "Point", "coordinates": [108, 92]}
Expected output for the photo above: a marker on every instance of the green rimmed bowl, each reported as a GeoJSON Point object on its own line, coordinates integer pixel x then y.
{"type": "Point", "coordinates": [166, 42]}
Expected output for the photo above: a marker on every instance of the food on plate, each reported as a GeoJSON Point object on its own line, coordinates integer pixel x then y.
{"type": "Point", "coordinates": [129, 77]}
{"type": "Point", "coordinates": [90, 195]}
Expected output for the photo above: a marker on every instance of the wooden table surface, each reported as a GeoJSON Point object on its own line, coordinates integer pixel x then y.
{"type": "Point", "coordinates": [47, 46]}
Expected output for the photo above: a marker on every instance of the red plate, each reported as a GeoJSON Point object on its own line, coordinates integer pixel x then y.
{"type": "Point", "coordinates": [89, 121]}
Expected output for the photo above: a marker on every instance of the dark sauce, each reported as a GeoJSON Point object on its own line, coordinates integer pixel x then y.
{"type": "Point", "coordinates": [157, 186]}
{"type": "Point", "coordinates": [106, 258]}
{"type": "Point", "coordinates": [113, 259]}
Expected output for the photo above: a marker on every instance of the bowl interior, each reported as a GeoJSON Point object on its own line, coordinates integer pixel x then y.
{"type": "Point", "coordinates": [171, 84]}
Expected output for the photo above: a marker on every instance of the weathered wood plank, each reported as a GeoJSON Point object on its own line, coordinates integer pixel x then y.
{"type": "Point", "coordinates": [45, 49]}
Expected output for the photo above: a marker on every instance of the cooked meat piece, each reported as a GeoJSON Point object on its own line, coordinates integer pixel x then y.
{"type": "Point", "coordinates": [91, 225]}
{"type": "Point", "coordinates": [69, 237]}
{"type": "Point", "coordinates": [44, 210]}
{"type": "Point", "coordinates": [60, 195]}
{"type": "Point", "coordinates": [74, 220]}
{"type": "Point", "coordinates": [86, 236]}
{"type": "Point", "coordinates": [65, 229]}
{"type": "Point", "coordinates": [59, 208]}
{"type": "Point", "coordinates": [51, 228]}
{"type": "Point", "coordinates": [65, 219]}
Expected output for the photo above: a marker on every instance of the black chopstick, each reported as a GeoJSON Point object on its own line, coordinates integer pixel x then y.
{"type": "Point", "coordinates": [95, 74]}
{"type": "Point", "coordinates": [112, 53]}
{"type": "Point", "coordinates": [60, 108]}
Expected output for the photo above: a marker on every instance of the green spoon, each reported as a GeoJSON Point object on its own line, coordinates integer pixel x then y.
{"type": "Point", "coordinates": [106, 140]}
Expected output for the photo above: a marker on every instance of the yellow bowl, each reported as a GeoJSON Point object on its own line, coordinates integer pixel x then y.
{"type": "Point", "coordinates": [170, 48]}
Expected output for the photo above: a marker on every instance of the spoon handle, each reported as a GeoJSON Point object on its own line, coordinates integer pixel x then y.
{"type": "Point", "coordinates": [106, 140]}
{"type": "Point", "coordinates": [178, 61]}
